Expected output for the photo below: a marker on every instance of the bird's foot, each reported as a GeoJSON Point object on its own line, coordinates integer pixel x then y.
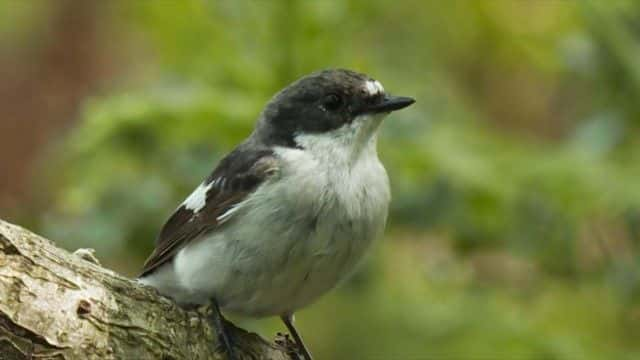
{"type": "Point", "coordinates": [289, 346]}
{"type": "Point", "coordinates": [224, 333]}
{"type": "Point", "coordinates": [302, 349]}
{"type": "Point", "coordinates": [226, 340]}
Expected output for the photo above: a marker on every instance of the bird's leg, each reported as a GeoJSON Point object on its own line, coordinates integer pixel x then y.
{"type": "Point", "coordinates": [288, 321]}
{"type": "Point", "coordinates": [224, 338]}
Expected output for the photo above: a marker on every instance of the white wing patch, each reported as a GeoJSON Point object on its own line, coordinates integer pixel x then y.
{"type": "Point", "coordinates": [198, 198]}
{"type": "Point", "coordinates": [373, 87]}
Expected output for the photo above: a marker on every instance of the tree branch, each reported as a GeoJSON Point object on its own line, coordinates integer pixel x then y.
{"type": "Point", "coordinates": [57, 305]}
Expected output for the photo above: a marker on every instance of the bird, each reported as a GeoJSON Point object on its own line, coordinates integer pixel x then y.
{"type": "Point", "coordinates": [289, 213]}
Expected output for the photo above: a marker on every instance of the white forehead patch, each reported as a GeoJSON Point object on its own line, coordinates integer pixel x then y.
{"type": "Point", "coordinates": [373, 87]}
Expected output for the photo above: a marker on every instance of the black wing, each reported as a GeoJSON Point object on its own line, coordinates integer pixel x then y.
{"type": "Point", "coordinates": [235, 177]}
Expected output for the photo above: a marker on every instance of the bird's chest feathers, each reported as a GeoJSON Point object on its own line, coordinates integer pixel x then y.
{"type": "Point", "coordinates": [344, 198]}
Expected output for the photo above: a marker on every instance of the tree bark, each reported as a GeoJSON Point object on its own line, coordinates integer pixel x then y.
{"type": "Point", "coordinates": [58, 305]}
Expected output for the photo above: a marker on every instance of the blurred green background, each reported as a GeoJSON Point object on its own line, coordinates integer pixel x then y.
{"type": "Point", "coordinates": [515, 224]}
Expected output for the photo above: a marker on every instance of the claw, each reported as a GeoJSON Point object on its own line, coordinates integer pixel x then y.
{"type": "Point", "coordinates": [225, 342]}
{"type": "Point", "coordinates": [288, 321]}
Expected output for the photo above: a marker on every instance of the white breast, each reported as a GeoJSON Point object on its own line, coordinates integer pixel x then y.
{"type": "Point", "coordinates": [296, 237]}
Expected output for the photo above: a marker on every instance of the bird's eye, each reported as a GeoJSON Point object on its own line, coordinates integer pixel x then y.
{"type": "Point", "coordinates": [332, 102]}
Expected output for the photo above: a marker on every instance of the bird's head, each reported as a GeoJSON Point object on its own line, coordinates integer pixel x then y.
{"type": "Point", "coordinates": [330, 106]}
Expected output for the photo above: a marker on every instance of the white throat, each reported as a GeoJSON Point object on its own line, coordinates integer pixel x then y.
{"type": "Point", "coordinates": [345, 144]}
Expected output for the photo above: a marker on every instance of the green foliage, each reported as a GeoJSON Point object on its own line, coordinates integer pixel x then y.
{"type": "Point", "coordinates": [519, 159]}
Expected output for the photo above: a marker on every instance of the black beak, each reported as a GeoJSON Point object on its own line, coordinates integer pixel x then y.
{"type": "Point", "coordinates": [390, 103]}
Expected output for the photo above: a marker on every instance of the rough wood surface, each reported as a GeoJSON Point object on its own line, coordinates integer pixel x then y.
{"type": "Point", "coordinates": [58, 305]}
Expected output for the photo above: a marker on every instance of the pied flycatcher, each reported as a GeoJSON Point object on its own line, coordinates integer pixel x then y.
{"type": "Point", "coordinates": [289, 212]}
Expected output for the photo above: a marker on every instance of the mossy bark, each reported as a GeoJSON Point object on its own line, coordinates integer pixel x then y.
{"type": "Point", "coordinates": [58, 305]}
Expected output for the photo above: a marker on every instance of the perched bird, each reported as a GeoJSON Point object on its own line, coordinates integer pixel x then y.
{"type": "Point", "coordinates": [289, 212]}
